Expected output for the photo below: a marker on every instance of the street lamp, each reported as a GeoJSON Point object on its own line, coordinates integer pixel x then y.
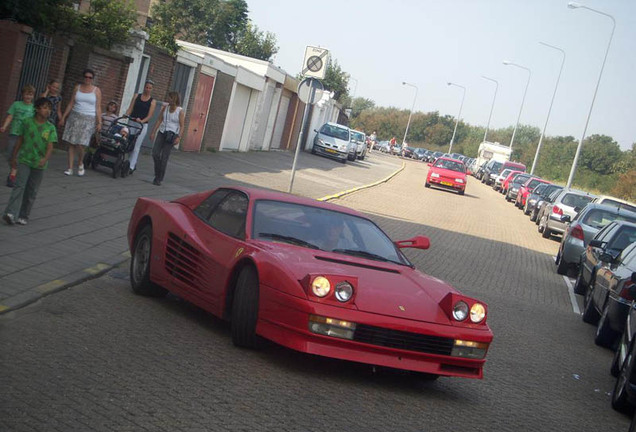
{"type": "Point", "coordinates": [458, 115]}
{"type": "Point", "coordinates": [574, 5]}
{"type": "Point", "coordinates": [411, 112]}
{"type": "Point", "coordinates": [514, 132]}
{"type": "Point", "coordinates": [493, 103]}
{"type": "Point", "coordinates": [536, 155]}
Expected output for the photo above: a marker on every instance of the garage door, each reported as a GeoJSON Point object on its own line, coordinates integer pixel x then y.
{"type": "Point", "coordinates": [280, 123]}
{"type": "Point", "coordinates": [236, 118]}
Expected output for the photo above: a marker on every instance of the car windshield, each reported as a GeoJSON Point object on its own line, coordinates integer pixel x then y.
{"type": "Point", "coordinates": [357, 136]}
{"type": "Point", "coordinates": [534, 183]}
{"type": "Point", "coordinates": [319, 228]}
{"type": "Point", "coordinates": [575, 200]}
{"type": "Point", "coordinates": [540, 188]}
{"type": "Point", "coordinates": [450, 165]}
{"type": "Point", "coordinates": [505, 173]}
{"type": "Point", "coordinates": [598, 218]}
{"type": "Point", "coordinates": [335, 131]}
{"type": "Point", "coordinates": [521, 179]}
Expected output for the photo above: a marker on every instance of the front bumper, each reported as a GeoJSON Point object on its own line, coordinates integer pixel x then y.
{"type": "Point", "coordinates": [446, 183]}
{"type": "Point", "coordinates": [329, 152]}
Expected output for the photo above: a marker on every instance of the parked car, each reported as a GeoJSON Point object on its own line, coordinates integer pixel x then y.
{"type": "Point", "coordinates": [447, 173]}
{"type": "Point", "coordinates": [377, 145]}
{"type": "Point", "coordinates": [505, 181]}
{"type": "Point", "coordinates": [407, 151]}
{"type": "Point", "coordinates": [526, 189]}
{"type": "Point", "coordinates": [436, 155]}
{"type": "Point", "coordinates": [515, 185]}
{"type": "Point", "coordinates": [608, 300]}
{"type": "Point", "coordinates": [384, 147]}
{"type": "Point", "coordinates": [567, 202]}
{"type": "Point", "coordinates": [604, 248]}
{"type": "Point", "coordinates": [581, 229]}
{"type": "Point", "coordinates": [397, 150]}
{"type": "Point", "coordinates": [491, 171]}
{"type": "Point", "coordinates": [624, 366]}
{"type": "Point", "coordinates": [542, 199]}
{"type": "Point", "coordinates": [359, 139]}
{"type": "Point", "coordinates": [333, 140]}
{"type": "Point", "coordinates": [308, 275]}
{"type": "Point", "coordinates": [419, 154]}
{"type": "Point", "coordinates": [500, 178]}
{"type": "Point", "coordinates": [479, 172]}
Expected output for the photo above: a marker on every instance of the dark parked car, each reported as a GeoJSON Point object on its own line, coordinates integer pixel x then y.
{"type": "Point", "coordinates": [491, 171]}
{"type": "Point", "coordinates": [608, 300]}
{"type": "Point", "coordinates": [515, 185]}
{"type": "Point", "coordinates": [419, 154]}
{"type": "Point", "coordinates": [623, 367]}
{"type": "Point", "coordinates": [581, 229]}
{"type": "Point", "coordinates": [541, 200]}
{"type": "Point", "coordinates": [605, 247]}
{"type": "Point", "coordinates": [407, 151]}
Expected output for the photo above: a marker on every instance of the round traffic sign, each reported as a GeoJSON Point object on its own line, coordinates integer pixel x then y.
{"type": "Point", "coordinates": [314, 63]}
{"type": "Point", "coordinates": [305, 92]}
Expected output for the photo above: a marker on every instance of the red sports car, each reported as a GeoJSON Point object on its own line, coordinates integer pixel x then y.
{"type": "Point", "coordinates": [308, 275]}
{"type": "Point", "coordinates": [447, 173]}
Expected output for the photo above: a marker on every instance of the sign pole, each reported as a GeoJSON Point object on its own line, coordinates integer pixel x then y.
{"type": "Point", "coordinates": [302, 132]}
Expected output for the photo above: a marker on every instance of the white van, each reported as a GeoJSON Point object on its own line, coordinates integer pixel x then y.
{"type": "Point", "coordinates": [492, 151]}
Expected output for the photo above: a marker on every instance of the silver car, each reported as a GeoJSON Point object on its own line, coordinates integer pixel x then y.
{"type": "Point", "coordinates": [582, 228]}
{"type": "Point", "coordinates": [360, 140]}
{"type": "Point", "coordinates": [334, 141]}
{"type": "Point", "coordinates": [568, 202]}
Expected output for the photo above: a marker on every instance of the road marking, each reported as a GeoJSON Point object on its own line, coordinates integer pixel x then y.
{"type": "Point", "coordinates": [575, 304]}
{"type": "Point", "coordinates": [100, 267]}
{"type": "Point", "coordinates": [50, 286]}
{"type": "Point", "coordinates": [347, 192]}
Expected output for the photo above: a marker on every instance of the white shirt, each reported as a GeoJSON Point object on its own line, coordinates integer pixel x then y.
{"type": "Point", "coordinates": [170, 120]}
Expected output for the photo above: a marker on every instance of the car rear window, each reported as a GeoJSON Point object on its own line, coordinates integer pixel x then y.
{"type": "Point", "coordinates": [574, 200]}
{"type": "Point", "coordinates": [624, 238]}
{"type": "Point", "coordinates": [358, 136]}
{"type": "Point", "coordinates": [619, 205]}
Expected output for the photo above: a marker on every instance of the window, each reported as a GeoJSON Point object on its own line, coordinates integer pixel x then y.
{"type": "Point", "coordinates": [574, 200]}
{"type": "Point", "coordinates": [625, 237]}
{"type": "Point", "coordinates": [229, 216]}
{"type": "Point", "coordinates": [204, 210]}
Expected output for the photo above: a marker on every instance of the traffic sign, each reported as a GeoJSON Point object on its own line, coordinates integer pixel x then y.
{"type": "Point", "coordinates": [305, 92]}
{"type": "Point", "coordinates": [315, 63]}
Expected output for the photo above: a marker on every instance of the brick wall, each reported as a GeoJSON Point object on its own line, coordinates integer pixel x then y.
{"type": "Point", "coordinates": [59, 58]}
{"type": "Point", "coordinates": [218, 111]}
{"type": "Point", "coordinates": [13, 38]}
{"type": "Point", "coordinates": [160, 70]}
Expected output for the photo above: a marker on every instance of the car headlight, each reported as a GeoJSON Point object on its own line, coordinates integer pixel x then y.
{"type": "Point", "coordinates": [514, 189]}
{"type": "Point", "coordinates": [460, 310]}
{"type": "Point", "coordinates": [477, 313]}
{"type": "Point", "coordinates": [343, 291]}
{"type": "Point", "coordinates": [532, 201]}
{"type": "Point", "coordinates": [320, 286]}
{"type": "Point", "coordinates": [458, 180]}
{"type": "Point", "coordinates": [319, 141]}
{"type": "Point", "coordinates": [435, 175]}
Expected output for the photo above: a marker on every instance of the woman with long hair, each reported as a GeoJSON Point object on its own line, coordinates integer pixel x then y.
{"type": "Point", "coordinates": [170, 127]}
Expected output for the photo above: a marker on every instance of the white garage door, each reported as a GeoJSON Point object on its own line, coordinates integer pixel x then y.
{"type": "Point", "coordinates": [236, 118]}
{"type": "Point", "coordinates": [280, 123]}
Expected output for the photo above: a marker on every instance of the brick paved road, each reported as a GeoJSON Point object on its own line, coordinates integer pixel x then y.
{"type": "Point", "coordinates": [97, 357]}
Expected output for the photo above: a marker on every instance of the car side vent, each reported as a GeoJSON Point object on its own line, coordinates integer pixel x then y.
{"type": "Point", "coordinates": [184, 261]}
{"type": "Point", "coordinates": [349, 263]}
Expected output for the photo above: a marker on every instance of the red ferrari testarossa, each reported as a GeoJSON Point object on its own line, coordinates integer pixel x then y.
{"type": "Point", "coordinates": [311, 276]}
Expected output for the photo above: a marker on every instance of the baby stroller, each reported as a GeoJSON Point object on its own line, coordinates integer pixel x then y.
{"type": "Point", "coordinates": [114, 146]}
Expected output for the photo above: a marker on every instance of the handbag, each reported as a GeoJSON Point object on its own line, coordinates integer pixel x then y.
{"type": "Point", "coordinates": [169, 137]}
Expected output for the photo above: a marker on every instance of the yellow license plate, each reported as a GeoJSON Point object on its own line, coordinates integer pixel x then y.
{"type": "Point", "coordinates": [331, 151]}
{"type": "Point", "coordinates": [447, 183]}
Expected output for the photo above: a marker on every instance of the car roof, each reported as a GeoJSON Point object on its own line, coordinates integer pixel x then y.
{"type": "Point", "coordinates": [610, 209]}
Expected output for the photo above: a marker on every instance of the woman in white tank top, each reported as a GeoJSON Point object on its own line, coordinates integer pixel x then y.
{"type": "Point", "coordinates": [170, 128]}
{"type": "Point", "coordinates": [84, 119]}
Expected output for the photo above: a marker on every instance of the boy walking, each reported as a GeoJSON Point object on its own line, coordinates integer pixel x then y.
{"type": "Point", "coordinates": [30, 158]}
{"type": "Point", "coordinates": [18, 111]}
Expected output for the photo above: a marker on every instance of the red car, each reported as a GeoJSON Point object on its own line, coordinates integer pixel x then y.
{"type": "Point", "coordinates": [311, 276]}
{"type": "Point", "coordinates": [447, 173]}
{"type": "Point", "coordinates": [505, 184]}
{"type": "Point", "coordinates": [526, 189]}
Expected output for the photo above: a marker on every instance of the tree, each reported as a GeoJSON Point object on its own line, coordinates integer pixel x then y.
{"type": "Point", "coordinates": [360, 104]}
{"type": "Point", "coordinates": [600, 154]}
{"type": "Point", "coordinates": [107, 23]}
{"type": "Point", "coordinates": [257, 44]}
{"type": "Point", "coordinates": [48, 16]}
{"type": "Point", "coordinates": [336, 80]}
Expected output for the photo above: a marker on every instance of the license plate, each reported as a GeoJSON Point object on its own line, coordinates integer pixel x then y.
{"type": "Point", "coordinates": [447, 183]}
{"type": "Point", "coordinates": [331, 151]}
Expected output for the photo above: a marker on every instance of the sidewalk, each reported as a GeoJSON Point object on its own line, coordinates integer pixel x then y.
{"type": "Point", "coordinates": [77, 228]}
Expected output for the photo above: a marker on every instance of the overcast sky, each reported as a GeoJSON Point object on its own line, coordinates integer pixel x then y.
{"type": "Point", "coordinates": [428, 43]}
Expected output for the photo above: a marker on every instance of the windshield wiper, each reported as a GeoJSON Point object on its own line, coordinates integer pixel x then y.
{"type": "Point", "coordinates": [365, 254]}
{"type": "Point", "coordinates": [289, 239]}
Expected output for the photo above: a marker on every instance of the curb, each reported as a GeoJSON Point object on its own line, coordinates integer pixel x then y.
{"type": "Point", "coordinates": [34, 294]}
{"type": "Point", "coordinates": [350, 191]}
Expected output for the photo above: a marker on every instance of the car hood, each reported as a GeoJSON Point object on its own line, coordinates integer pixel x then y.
{"type": "Point", "coordinates": [382, 288]}
{"type": "Point", "coordinates": [333, 140]}
{"type": "Point", "coordinates": [443, 172]}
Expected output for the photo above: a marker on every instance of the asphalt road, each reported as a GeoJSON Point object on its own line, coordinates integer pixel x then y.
{"type": "Point", "coordinates": [97, 357]}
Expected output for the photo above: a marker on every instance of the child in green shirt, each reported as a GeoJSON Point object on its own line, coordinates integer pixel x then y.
{"type": "Point", "coordinates": [18, 111]}
{"type": "Point", "coordinates": [30, 157]}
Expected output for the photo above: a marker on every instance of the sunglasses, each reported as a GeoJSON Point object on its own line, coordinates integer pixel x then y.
{"type": "Point", "coordinates": [88, 76]}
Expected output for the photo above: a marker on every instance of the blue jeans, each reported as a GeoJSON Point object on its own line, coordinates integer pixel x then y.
{"type": "Point", "coordinates": [27, 184]}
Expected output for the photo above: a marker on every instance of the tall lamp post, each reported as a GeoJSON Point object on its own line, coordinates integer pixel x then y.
{"type": "Point", "coordinates": [574, 5]}
{"type": "Point", "coordinates": [450, 147]}
{"type": "Point", "coordinates": [536, 155]}
{"type": "Point", "coordinates": [411, 112]}
{"type": "Point", "coordinates": [514, 132]}
{"type": "Point", "coordinates": [493, 103]}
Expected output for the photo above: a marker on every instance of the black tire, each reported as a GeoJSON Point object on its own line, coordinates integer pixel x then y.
{"type": "Point", "coordinates": [620, 401]}
{"type": "Point", "coordinates": [461, 192]}
{"type": "Point", "coordinates": [140, 265]}
{"type": "Point", "coordinates": [526, 210]}
{"type": "Point", "coordinates": [424, 377]}
{"type": "Point", "coordinates": [125, 168]}
{"type": "Point", "coordinates": [245, 309]}
{"type": "Point", "coordinates": [427, 185]}
{"type": "Point", "coordinates": [533, 215]}
{"type": "Point", "coordinates": [605, 336]}
{"type": "Point", "coordinates": [117, 166]}
{"type": "Point", "coordinates": [546, 233]}
{"type": "Point", "coordinates": [96, 158]}
{"type": "Point", "coordinates": [562, 267]}
{"type": "Point", "coordinates": [590, 314]}
{"type": "Point", "coordinates": [508, 198]}
{"type": "Point", "coordinates": [88, 159]}
{"type": "Point", "coordinates": [616, 366]}
{"type": "Point", "coordinates": [579, 285]}
{"type": "Point", "coordinates": [313, 150]}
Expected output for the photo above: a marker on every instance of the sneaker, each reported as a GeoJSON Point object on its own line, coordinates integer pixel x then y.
{"type": "Point", "coordinates": [68, 172]}
{"type": "Point", "coordinates": [156, 182]}
{"type": "Point", "coordinates": [80, 170]}
{"type": "Point", "coordinates": [21, 221]}
{"type": "Point", "coordinates": [10, 181]}
{"type": "Point", "coordinates": [8, 218]}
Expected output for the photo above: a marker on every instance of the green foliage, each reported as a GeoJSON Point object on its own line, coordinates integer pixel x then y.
{"type": "Point", "coordinates": [47, 16]}
{"type": "Point", "coordinates": [360, 104]}
{"type": "Point", "coordinates": [107, 23]}
{"type": "Point", "coordinates": [220, 24]}
{"type": "Point", "coordinates": [336, 80]}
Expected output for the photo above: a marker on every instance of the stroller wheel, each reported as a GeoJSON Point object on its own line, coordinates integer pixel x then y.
{"type": "Point", "coordinates": [88, 159]}
{"type": "Point", "coordinates": [125, 168]}
{"type": "Point", "coordinates": [117, 167]}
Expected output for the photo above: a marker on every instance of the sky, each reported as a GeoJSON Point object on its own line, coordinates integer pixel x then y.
{"type": "Point", "coordinates": [428, 43]}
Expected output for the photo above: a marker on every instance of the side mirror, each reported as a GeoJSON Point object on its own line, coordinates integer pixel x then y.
{"type": "Point", "coordinates": [315, 131]}
{"type": "Point", "coordinates": [566, 218]}
{"type": "Point", "coordinates": [596, 243]}
{"type": "Point", "coordinates": [577, 209]}
{"type": "Point", "coordinates": [633, 278]}
{"type": "Point", "coordinates": [418, 242]}
{"type": "Point", "coordinates": [430, 164]}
